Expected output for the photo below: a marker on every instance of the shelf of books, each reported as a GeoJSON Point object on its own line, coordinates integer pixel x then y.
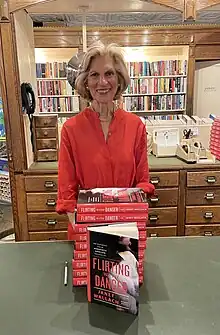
{"type": "Point", "coordinates": [157, 88]}
{"type": "Point", "coordinates": [55, 95]}
{"type": "Point", "coordinates": [158, 81]}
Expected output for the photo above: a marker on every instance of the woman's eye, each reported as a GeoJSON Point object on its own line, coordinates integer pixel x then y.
{"type": "Point", "coordinates": [94, 75]}
{"type": "Point", "coordinates": [110, 73]}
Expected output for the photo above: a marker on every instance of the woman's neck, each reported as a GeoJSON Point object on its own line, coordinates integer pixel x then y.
{"type": "Point", "coordinates": [105, 111]}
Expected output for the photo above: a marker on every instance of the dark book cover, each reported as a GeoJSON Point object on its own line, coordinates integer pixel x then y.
{"type": "Point", "coordinates": [112, 266]}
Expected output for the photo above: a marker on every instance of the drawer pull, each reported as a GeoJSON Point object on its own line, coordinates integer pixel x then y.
{"type": "Point", "coordinates": [211, 179]}
{"type": "Point", "coordinates": [153, 217]}
{"type": "Point", "coordinates": [51, 202]}
{"type": "Point", "coordinates": [49, 184]}
{"type": "Point", "coordinates": [45, 133]}
{"type": "Point", "coordinates": [210, 196]}
{"type": "Point", "coordinates": [52, 239]}
{"type": "Point", "coordinates": [155, 180]}
{"type": "Point", "coordinates": [208, 215]}
{"type": "Point", "coordinates": [154, 199]}
{"type": "Point", "coordinates": [208, 233]}
{"type": "Point", "coordinates": [153, 235]}
{"type": "Point", "coordinates": [51, 222]}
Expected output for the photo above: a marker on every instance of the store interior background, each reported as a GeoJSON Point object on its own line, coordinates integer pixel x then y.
{"type": "Point", "coordinates": [127, 14]}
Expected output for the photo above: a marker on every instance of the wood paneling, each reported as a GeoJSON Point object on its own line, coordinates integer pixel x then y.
{"type": "Point", "coordinates": [15, 5]}
{"type": "Point", "coordinates": [207, 52]}
{"type": "Point", "coordinates": [20, 215]}
{"type": "Point", "coordinates": [190, 81]}
{"type": "Point", "coordinates": [17, 153]}
{"type": "Point", "coordinates": [52, 38]}
{"type": "Point", "coordinates": [207, 37]}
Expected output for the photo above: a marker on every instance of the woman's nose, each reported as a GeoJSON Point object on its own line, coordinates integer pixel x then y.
{"type": "Point", "coordinates": [103, 80]}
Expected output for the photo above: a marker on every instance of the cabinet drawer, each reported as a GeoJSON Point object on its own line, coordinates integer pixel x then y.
{"type": "Point", "coordinates": [164, 197]}
{"type": "Point", "coordinates": [202, 214]}
{"type": "Point", "coordinates": [41, 202]}
{"type": "Point", "coordinates": [45, 121]}
{"type": "Point", "coordinates": [161, 231]}
{"type": "Point", "coordinates": [202, 230]}
{"type": "Point", "coordinates": [164, 179]}
{"type": "Point", "coordinates": [162, 216]}
{"type": "Point", "coordinates": [207, 178]}
{"type": "Point", "coordinates": [47, 155]}
{"type": "Point", "coordinates": [48, 235]}
{"type": "Point", "coordinates": [47, 221]}
{"type": "Point", "coordinates": [50, 143]}
{"type": "Point", "coordinates": [46, 132]}
{"type": "Point", "coordinates": [41, 183]}
{"type": "Point", "coordinates": [210, 196]}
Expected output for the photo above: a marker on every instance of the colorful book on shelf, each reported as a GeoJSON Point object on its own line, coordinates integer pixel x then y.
{"type": "Point", "coordinates": [111, 201]}
{"type": "Point", "coordinates": [112, 266]}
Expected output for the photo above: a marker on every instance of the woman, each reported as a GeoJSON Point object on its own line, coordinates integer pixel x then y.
{"type": "Point", "coordinates": [103, 146]}
{"type": "Point", "coordinates": [126, 283]}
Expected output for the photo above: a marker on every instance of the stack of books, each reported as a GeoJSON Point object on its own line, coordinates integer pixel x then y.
{"type": "Point", "coordinates": [107, 207]}
{"type": "Point", "coordinates": [215, 138]}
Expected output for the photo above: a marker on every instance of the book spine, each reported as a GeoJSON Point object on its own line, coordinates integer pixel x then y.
{"type": "Point", "coordinates": [80, 273]}
{"type": "Point", "coordinates": [77, 255]}
{"type": "Point", "coordinates": [112, 218]}
{"type": "Point", "coordinates": [79, 281]}
{"type": "Point", "coordinates": [81, 264]}
{"type": "Point", "coordinates": [112, 208]}
{"type": "Point", "coordinates": [88, 268]}
{"type": "Point", "coordinates": [80, 228]}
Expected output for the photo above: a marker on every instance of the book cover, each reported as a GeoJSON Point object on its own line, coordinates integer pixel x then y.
{"type": "Point", "coordinates": [112, 200]}
{"type": "Point", "coordinates": [112, 266]}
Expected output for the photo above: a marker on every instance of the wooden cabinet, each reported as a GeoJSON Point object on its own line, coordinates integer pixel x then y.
{"type": "Point", "coordinates": [203, 203]}
{"type": "Point", "coordinates": [42, 220]}
{"type": "Point", "coordinates": [162, 220]}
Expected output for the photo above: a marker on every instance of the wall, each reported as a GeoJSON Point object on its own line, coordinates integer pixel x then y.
{"type": "Point", "coordinates": [26, 62]}
{"type": "Point", "coordinates": [207, 89]}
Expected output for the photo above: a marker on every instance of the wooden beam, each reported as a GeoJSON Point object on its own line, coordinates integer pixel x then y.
{"type": "Point", "coordinates": [201, 4]}
{"type": "Point", "coordinates": [176, 4]}
{"type": "Point", "coordinates": [4, 10]}
{"type": "Point", "coordinates": [15, 5]}
{"type": "Point", "coordinates": [189, 12]}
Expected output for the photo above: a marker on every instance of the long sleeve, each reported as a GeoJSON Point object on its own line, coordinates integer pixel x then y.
{"type": "Point", "coordinates": [67, 180]}
{"type": "Point", "coordinates": [142, 169]}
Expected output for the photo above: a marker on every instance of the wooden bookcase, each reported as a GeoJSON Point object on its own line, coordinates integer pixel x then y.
{"type": "Point", "coordinates": [34, 216]}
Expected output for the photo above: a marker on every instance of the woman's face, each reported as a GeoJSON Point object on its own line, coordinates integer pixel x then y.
{"type": "Point", "coordinates": [126, 241]}
{"type": "Point", "coordinates": [102, 79]}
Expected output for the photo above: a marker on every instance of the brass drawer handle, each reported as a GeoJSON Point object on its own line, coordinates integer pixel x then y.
{"type": "Point", "coordinates": [211, 179]}
{"type": "Point", "coordinates": [153, 234]}
{"type": "Point", "coordinates": [52, 239]}
{"type": "Point", "coordinates": [51, 202]}
{"type": "Point", "coordinates": [155, 180]}
{"type": "Point", "coordinates": [208, 233]}
{"type": "Point", "coordinates": [49, 184]}
{"type": "Point", "coordinates": [154, 199]}
{"type": "Point", "coordinates": [153, 218]}
{"type": "Point", "coordinates": [208, 215]}
{"type": "Point", "coordinates": [51, 222]}
{"type": "Point", "coordinates": [45, 133]}
{"type": "Point", "coordinates": [210, 196]}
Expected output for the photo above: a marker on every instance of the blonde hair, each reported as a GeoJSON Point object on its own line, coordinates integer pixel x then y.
{"type": "Point", "coordinates": [100, 49]}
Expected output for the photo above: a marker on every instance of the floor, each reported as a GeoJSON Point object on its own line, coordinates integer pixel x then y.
{"type": "Point", "coordinates": [6, 221]}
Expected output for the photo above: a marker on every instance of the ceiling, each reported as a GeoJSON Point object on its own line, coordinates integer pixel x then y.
{"type": "Point", "coordinates": [115, 13]}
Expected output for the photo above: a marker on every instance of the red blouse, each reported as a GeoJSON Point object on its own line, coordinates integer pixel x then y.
{"type": "Point", "coordinates": [87, 160]}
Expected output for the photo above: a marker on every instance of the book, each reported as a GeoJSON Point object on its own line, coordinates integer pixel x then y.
{"type": "Point", "coordinates": [112, 266]}
{"type": "Point", "coordinates": [111, 201]}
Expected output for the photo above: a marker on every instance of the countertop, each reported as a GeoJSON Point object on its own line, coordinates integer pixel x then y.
{"type": "Point", "coordinates": [180, 295]}
{"type": "Point", "coordinates": [155, 164]}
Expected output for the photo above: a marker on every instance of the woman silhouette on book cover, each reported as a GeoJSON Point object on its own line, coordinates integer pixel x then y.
{"type": "Point", "coordinates": [126, 274]}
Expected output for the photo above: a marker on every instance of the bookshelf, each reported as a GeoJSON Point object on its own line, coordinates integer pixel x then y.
{"type": "Point", "coordinates": [55, 95]}
{"type": "Point", "coordinates": [158, 85]}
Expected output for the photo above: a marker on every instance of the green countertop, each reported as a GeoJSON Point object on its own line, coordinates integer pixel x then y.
{"type": "Point", "coordinates": [155, 164]}
{"type": "Point", "coordinates": [180, 295]}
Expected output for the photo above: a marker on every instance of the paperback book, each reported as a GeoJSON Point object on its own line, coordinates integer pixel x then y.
{"type": "Point", "coordinates": [112, 266]}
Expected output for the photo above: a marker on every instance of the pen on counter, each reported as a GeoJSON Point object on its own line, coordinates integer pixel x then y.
{"type": "Point", "coordinates": [66, 273]}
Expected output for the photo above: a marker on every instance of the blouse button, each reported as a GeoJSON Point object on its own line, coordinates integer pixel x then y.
{"type": "Point", "coordinates": [109, 134]}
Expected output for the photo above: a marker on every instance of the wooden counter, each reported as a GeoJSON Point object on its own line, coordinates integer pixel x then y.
{"type": "Point", "coordinates": [186, 201]}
